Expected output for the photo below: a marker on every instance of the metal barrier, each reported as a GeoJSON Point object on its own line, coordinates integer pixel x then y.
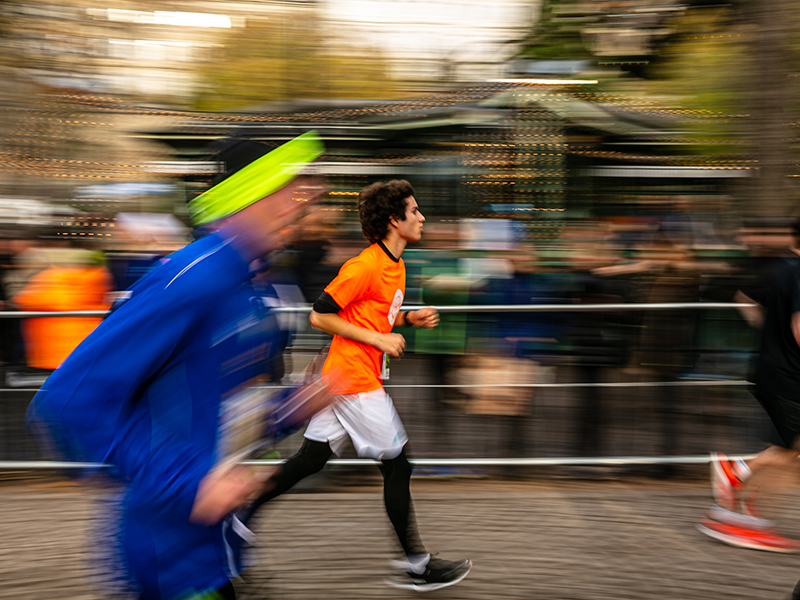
{"type": "Point", "coordinates": [489, 308]}
{"type": "Point", "coordinates": [422, 462]}
{"type": "Point", "coordinates": [415, 406]}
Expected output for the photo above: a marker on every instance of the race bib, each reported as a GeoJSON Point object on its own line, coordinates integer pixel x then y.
{"type": "Point", "coordinates": [396, 304]}
{"type": "Point", "coordinates": [385, 366]}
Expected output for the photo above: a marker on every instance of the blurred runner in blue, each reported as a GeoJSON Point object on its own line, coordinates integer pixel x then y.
{"type": "Point", "coordinates": [156, 391]}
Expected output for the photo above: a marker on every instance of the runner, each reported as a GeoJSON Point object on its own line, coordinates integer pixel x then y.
{"type": "Point", "coordinates": [735, 519]}
{"type": "Point", "coordinates": [157, 390]}
{"type": "Point", "coordinates": [360, 307]}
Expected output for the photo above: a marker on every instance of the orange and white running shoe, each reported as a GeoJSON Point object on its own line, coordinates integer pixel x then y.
{"type": "Point", "coordinates": [745, 532]}
{"type": "Point", "coordinates": [747, 505]}
{"type": "Point", "coordinates": [725, 481]}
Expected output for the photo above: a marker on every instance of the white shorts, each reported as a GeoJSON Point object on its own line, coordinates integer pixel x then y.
{"type": "Point", "coordinates": [370, 420]}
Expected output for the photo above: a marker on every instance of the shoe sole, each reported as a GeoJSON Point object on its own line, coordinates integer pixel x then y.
{"type": "Point", "coordinates": [741, 543]}
{"type": "Point", "coordinates": [722, 515]}
{"type": "Point", "coordinates": [427, 587]}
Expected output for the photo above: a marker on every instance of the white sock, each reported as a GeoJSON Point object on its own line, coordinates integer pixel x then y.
{"type": "Point", "coordinates": [743, 470]}
{"type": "Point", "coordinates": [418, 562]}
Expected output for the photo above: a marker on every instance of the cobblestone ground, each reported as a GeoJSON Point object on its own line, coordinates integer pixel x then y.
{"type": "Point", "coordinates": [543, 539]}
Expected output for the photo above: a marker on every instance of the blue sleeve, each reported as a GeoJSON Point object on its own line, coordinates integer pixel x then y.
{"type": "Point", "coordinates": [90, 400]}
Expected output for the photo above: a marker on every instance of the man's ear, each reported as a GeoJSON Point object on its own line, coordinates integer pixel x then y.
{"type": "Point", "coordinates": [394, 222]}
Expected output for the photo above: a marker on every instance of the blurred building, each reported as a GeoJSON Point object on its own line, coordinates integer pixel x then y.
{"type": "Point", "coordinates": [538, 153]}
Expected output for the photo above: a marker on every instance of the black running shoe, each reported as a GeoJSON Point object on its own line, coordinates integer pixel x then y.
{"type": "Point", "coordinates": [438, 573]}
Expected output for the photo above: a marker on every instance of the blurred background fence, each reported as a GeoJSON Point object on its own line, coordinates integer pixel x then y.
{"type": "Point", "coordinates": [570, 397]}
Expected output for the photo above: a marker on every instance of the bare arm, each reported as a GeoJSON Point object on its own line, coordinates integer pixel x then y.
{"type": "Point", "coordinates": [226, 487]}
{"type": "Point", "coordinates": [427, 318]}
{"type": "Point", "coordinates": [391, 343]}
{"type": "Point", "coordinates": [796, 327]}
{"type": "Point", "coordinates": [754, 315]}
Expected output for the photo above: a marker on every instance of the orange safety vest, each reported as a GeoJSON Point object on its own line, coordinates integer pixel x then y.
{"type": "Point", "coordinates": [48, 341]}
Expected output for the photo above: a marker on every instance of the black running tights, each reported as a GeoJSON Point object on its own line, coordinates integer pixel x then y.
{"type": "Point", "coordinates": [397, 498]}
{"type": "Point", "coordinates": [310, 459]}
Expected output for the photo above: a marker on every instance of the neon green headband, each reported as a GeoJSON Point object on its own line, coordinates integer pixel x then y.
{"type": "Point", "coordinates": [260, 178]}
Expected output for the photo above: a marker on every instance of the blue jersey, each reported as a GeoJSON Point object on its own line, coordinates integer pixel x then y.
{"type": "Point", "coordinates": [142, 394]}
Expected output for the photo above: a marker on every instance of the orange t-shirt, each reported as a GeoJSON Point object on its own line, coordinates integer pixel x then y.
{"type": "Point", "coordinates": [370, 289]}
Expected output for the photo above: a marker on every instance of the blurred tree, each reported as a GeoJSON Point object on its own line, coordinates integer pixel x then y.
{"type": "Point", "coordinates": [730, 64]}
{"type": "Point", "coordinates": [557, 34]}
{"type": "Point", "coordinates": [286, 57]}
{"type": "Point", "coordinates": [694, 67]}
{"type": "Point", "coordinates": [734, 65]}
{"type": "Point", "coordinates": [773, 98]}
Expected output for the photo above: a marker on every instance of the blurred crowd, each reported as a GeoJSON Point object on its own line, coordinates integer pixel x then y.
{"type": "Point", "coordinates": [486, 361]}
{"type": "Point", "coordinates": [40, 271]}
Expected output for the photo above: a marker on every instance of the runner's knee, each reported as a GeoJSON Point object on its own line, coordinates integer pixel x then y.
{"type": "Point", "coordinates": [397, 468]}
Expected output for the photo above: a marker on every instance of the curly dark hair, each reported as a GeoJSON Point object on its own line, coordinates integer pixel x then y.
{"type": "Point", "coordinates": [379, 203]}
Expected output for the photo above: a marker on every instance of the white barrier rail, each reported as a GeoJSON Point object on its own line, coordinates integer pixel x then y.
{"type": "Point", "coordinates": [600, 384]}
{"type": "Point", "coordinates": [488, 308]}
{"type": "Point", "coordinates": [427, 462]}
{"type": "Point", "coordinates": [464, 462]}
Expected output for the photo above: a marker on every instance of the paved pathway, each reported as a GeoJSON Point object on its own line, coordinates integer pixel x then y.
{"type": "Point", "coordinates": [529, 540]}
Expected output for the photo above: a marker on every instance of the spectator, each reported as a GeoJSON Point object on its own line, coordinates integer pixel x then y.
{"type": "Point", "coordinates": [75, 280]}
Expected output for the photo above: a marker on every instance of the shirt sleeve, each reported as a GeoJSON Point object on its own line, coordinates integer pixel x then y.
{"type": "Point", "coordinates": [326, 305]}
{"type": "Point", "coordinates": [352, 282]}
{"type": "Point", "coordinates": [88, 403]}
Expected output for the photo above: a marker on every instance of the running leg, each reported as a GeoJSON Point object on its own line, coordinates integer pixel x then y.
{"type": "Point", "coordinates": [399, 507]}
{"type": "Point", "coordinates": [310, 459]}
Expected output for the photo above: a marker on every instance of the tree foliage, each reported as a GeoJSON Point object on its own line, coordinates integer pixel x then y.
{"type": "Point", "coordinates": [701, 67]}
{"type": "Point", "coordinates": [558, 32]}
{"type": "Point", "coordinates": [287, 58]}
